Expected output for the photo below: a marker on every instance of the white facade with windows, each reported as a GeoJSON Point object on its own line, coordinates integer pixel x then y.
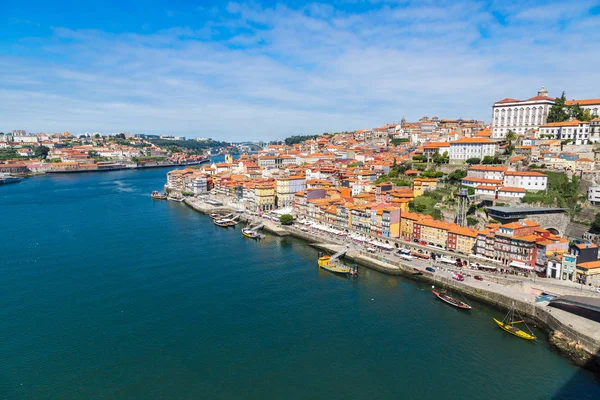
{"type": "Point", "coordinates": [576, 131]}
{"type": "Point", "coordinates": [465, 148]}
{"type": "Point", "coordinates": [525, 180]}
{"type": "Point", "coordinates": [520, 116]}
{"type": "Point", "coordinates": [594, 195]}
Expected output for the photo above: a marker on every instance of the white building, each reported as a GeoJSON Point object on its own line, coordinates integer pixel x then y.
{"type": "Point", "coordinates": [594, 195]}
{"type": "Point", "coordinates": [511, 192]}
{"type": "Point", "coordinates": [465, 148]}
{"type": "Point", "coordinates": [591, 104]}
{"type": "Point", "coordinates": [576, 131]}
{"type": "Point", "coordinates": [527, 180]}
{"type": "Point", "coordinates": [486, 172]}
{"type": "Point", "coordinates": [199, 185]}
{"type": "Point", "coordinates": [520, 115]}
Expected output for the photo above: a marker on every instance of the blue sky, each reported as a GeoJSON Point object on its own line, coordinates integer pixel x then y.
{"type": "Point", "coordinates": [266, 70]}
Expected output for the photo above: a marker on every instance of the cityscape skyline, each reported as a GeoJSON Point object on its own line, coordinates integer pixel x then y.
{"type": "Point", "coordinates": [254, 71]}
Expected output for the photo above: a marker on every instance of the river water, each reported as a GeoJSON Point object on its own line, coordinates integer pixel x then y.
{"type": "Point", "coordinates": [107, 294]}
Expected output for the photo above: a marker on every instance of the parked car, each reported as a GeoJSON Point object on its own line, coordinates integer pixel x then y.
{"type": "Point", "coordinates": [477, 277]}
{"type": "Point", "coordinates": [458, 277]}
{"type": "Point", "coordinates": [430, 269]}
{"type": "Point", "coordinates": [416, 240]}
{"type": "Point", "coordinates": [422, 242]}
{"type": "Point", "coordinates": [459, 263]}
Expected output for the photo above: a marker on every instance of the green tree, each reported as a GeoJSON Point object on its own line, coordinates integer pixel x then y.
{"type": "Point", "coordinates": [576, 112]}
{"type": "Point", "coordinates": [41, 151]}
{"type": "Point", "coordinates": [490, 160]}
{"type": "Point", "coordinates": [471, 221]}
{"type": "Point", "coordinates": [120, 136]}
{"type": "Point", "coordinates": [420, 157]}
{"type": "Point", "coordinates": [473, 160]}
{"type": "Point", "coordinates": [286, 219]}
{"type": "Point", "coordinates": [456, 176]}
{"type": "Point", "coordinates": [595, 228]}
{"type": "Point", "coordinates": [441, 159]}
{"type": "Point", "coordinates": [558, 112]}
{"type": "Point", "coordinates": [510, 137]}
{"type": "Point", "coordinates": [587, 115]}
{"type": "Point", "coordinates": [97, 136]}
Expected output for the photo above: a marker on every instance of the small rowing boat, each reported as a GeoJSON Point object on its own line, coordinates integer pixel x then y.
{"type": "Point", "coordinates": [443, 295]}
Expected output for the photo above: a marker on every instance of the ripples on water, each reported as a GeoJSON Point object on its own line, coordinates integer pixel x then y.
{"type": "Point", "coordinates": [109, 294]}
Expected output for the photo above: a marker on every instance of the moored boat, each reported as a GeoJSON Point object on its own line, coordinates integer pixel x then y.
{"type": "Point", "coordinates": [335, 267]}
{"type": "Point", "coordinates": [443, 295]}
{"type": "Point", "coordinates": [6, 179]}
{"type": "Point", "coordinates": [249, 233]}
{"type": "Point", "coordinates": [159, 196]}
{"type": "Point", "coordinates": [508, 325]}
{"type": "Point", "coordinates": [225, 222]}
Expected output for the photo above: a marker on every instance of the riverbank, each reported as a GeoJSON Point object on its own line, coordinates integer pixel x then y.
{"type": "Point", "coordinates": [576, 337]}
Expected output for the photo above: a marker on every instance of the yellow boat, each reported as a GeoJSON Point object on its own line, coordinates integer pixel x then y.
{"type": "Point", "coordinates": [510, 328]}
{"type": "Point", "coordinates": [325, 263]}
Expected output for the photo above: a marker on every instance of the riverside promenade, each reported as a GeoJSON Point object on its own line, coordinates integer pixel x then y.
{"type": "Point", "coordinates": [576, 336]}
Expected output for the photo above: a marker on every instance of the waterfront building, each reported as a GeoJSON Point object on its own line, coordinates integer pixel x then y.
{"type": "Point", "coordinates": [563, 267]}
{"type": "Point", "coordinates": [433, 232]}
{"type": "Point", "coordinates": [462, 239]}
{"type": "Point", "coordinates": [466, 148]}
{"type": "Point", "coordinates": [584, 251]}
{"type": "Point", "coordinates": [391, 222]}
{"type": "Point", "coordinates": [264, 193]}
{"type": "Point", "coordinates": [588, 273]}
{"type": "Point", "coordinates": [287, 187]}
{"type": "Point", "coordinates": [199, 185]}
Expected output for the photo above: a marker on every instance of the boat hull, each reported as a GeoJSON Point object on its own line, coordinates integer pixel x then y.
{"type": "Point", "coordinates": [337, 269]}
{"type": "Point", "coordinates": [514, 331]}
{"type": "Point", "coordinates": [452, 301]}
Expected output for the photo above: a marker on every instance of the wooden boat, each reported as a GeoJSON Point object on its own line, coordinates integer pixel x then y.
{"type": "Point", "coordinates": [249, 233]}
{"type": "Point", "coordinates": [225, 222]}
{"type": "Point", "coordinates": [443, 295]}
{"type": "Point", "coordinates": [217, 216]}
{"type": "Point", "coordinates": [159, 196]}
{"type": "Point", "coordinates": [508, 325]}
{"type": "Point", "coordinates": [334, 267]}
{"type": "Point", "coordinates": [510, 328]}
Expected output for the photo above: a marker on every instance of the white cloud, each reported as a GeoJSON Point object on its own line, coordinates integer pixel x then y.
{"type": "Point", "coordinates": [279, 71]}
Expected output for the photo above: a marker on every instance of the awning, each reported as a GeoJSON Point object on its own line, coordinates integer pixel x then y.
{"type": "Point", "coordinates": [517, 264]}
